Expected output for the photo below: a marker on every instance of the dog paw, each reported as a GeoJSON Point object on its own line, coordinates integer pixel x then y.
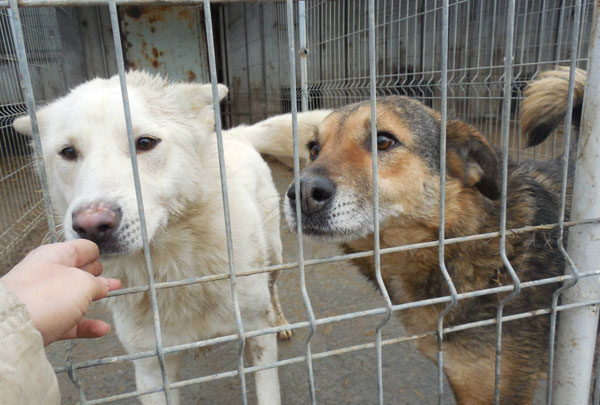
{"type": "Point", "coordinates": [285, 334]}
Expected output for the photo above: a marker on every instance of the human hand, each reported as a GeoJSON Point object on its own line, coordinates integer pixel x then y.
{"type": "Point", "coordinates": [57, 283]}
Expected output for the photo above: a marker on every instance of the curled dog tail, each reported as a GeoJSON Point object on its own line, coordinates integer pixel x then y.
{"type": "Point", "coordinates": [545, 103]}
{"type": "Point", "coordinates": [273, 136]}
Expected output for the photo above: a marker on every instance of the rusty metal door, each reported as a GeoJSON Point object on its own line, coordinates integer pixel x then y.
{"type": "Point", "coordinates": [147, 35]}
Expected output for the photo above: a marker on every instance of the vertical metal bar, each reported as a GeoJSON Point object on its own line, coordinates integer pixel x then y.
{"type": "Point", "coordinates": [294, 105]}
{"type": "Point", "coordinates": [508, 68]}
{"type": "Point", "coordinates": [441, 235]}
{"type": "Point", "coordinates": [19, 43]}
{"type": "Point", "coordinates": [376, 247]}
{"type": "Point", "coordinates": [114, 19]}
{"type": "Point", "coordinates": [226, 65]}
{"type": "Point", "coordinates": [541, 35]}
{"type": "Point", "coordinates": [261, 8]}
{"type": "Point", "coordinates": [575, 347]}
{"type": "Point", "coordinates": [26, 85]}
{"type": "Point", "coordinates": [248, 86]}
{"type": "Point", "coordinates": [596, 399]}
{"type": "Point", "coordinates": [217, 111]}
{"type": "Point", "coordinates": [561, 216]}
{"type": "Point", "coordinates": [303, 53]}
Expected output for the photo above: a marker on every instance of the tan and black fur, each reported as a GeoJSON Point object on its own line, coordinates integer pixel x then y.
{"type": "Point", "coordinates": [336, 200]}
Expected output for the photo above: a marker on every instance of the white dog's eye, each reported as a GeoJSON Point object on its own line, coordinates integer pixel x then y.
{"type": "Point", "coordinates": [69, 153]}
{"type": "Point", "coordinates": [146, 143]}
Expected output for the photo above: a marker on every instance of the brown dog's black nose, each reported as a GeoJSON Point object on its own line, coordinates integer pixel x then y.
{"type": "Point", "coordinates": [315, 193]}
{"type": "Point", "coordinates": [96, 222]}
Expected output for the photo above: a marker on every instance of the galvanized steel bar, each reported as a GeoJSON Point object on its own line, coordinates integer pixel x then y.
{"type": "Point", "coordinates": [561, 216]}
{"type": "Point", "coordinates": [326, 320]}
{"type": "Point", "coordinates": [577, 330]}
{"type": "Point", "coordinates": [114, 19]}
{"type": "Point", "coordinates": [596, 398]}
{"type": "Point", "coordinates": [508, 68]}
{"type": "Point", "coordinates": [263, 59]}
{"type": "Point", "coordinates": [68, 3]}
{"type": "Point", "coordinates": [26, 85]}
{"type": "Point", "coordinates": [332, 259]}
{"type": "Point", "coordinates": [222, 169]}
{"type": "Point", "coordinates": [302, 43]}
{"type": "Point", "coordinates": [441, 234]}
{"type": "Point", "coordinates": [294, 106]}
{"type": "Point", "coordinates": [375, 174]}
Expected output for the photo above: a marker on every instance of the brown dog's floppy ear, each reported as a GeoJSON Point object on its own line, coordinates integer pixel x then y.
{"type": "Point", "coordinates": [471, 158]}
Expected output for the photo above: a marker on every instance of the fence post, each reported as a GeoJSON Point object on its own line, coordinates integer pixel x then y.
{"type": "Point", "coordinates": [303, 53]}
{"type": "Point", "coordinates": [577, 327]}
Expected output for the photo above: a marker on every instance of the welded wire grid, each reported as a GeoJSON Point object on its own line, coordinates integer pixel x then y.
{"type": "Point", "coordinates": [465, 58]}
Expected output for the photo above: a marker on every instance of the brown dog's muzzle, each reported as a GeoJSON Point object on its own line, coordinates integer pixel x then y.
{"type": "Point", "coordinates": [316, 192]}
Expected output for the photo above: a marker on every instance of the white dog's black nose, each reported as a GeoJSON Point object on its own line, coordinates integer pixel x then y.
{"type": "Point", "coordinates": [315, 193]}
{"type": "Point", "coordinates": [96, 222]}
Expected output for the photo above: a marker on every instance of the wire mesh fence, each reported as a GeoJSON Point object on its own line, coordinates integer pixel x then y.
{"type": "Point", "coordinates": [23, 211]}
{"type": "Point", "coordinates": [284, 57]}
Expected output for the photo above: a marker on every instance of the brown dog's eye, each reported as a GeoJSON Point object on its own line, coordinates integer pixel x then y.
{"type": "Point", "coordinates": [314, 149]}
{"type": "Point", "coordinates": [69, 153]}
{"type": "Point", "coordinates": [146, 143]}
{"type": "Point", "coordinates": [385, 140]}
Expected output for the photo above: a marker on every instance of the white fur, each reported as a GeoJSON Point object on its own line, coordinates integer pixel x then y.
{"type": "Point", "coordinates": [183, 207]}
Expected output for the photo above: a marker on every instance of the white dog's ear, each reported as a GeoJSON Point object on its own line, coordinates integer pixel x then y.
{"type": "Point", "coordinates": [197, 96]}
{"type": "Point", "coordinates": [23, 125]}
{"type": "Point", "coordinates": [206, 91]}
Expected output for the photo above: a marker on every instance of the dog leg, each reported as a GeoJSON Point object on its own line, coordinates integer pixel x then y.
{"type": "Point", "coordinates": [280, 319]}
{"type": "Point", "coordinates": [473, 379]}
{"type": "Point", "coordinates": [148, 375]}
{"type": "Point", "coordinates": [263, 350]}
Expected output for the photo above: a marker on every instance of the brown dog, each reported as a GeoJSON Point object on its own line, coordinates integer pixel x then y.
{"type": "Point", "coordinates": [336, 200]}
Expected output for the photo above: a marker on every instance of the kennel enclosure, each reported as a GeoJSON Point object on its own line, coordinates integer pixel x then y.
{"type": "Point", "coordinates": [467, 59]}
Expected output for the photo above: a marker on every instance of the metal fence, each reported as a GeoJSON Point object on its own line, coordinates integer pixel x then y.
{"type": "Point", "coordinates": [22, 220]}
{"type": "Point", "coordinates": [469, 59]}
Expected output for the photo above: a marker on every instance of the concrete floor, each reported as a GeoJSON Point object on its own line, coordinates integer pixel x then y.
{"type": "Point", "coordinates": [350, 378]}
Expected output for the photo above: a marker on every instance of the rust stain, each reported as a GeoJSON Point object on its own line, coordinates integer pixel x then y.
{"type": "Point", "coordinates": [134, 12]}
{"type": "Point", "coordinates": [152, 13]}
{"type": "Point", "coordinates": [155, 63]}
{"type": "Point", "coordinates": [186, 13]}
{"type": "Point", "coordinates": [155, 52]}
{"type": "Point", "coordinates": [191, 76]}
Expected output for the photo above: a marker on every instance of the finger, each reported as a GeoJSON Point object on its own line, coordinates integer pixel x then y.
{"type": "Point", "coordinates": [113, 284]}
{"type": "Point", "coordinates": [85, 252]}
{"type": "Point", "coordinates": [88, 328]}
{"type": "Point", "coordinates": [101, 288]}
{"type": "Point", "coordinates": [94, 268]}
{"type": "Point", "coordinates": [74, 253]}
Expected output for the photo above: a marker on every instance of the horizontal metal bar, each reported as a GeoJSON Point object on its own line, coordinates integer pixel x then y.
{"type": "Point", "coordinates": [349, 349]}
{"type": "Point", "coordinates": [332, 259]}
{"type": "Point", "coordinates": [17, 171]}
{"type": "Point", "coordinates": [322, 321]}
{"type": "Point", "coordinates": [63, 3]}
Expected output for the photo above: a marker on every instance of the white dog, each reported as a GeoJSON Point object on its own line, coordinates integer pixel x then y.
{"type": "Point", "coordinates": [90, 179]}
